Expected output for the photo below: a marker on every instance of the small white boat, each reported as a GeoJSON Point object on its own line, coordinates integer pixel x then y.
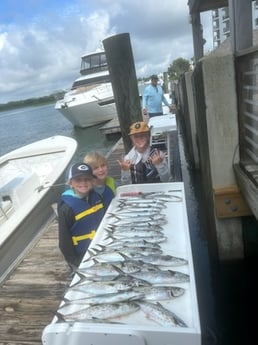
{"type": "Point", "coordinates": [31, 180]}
{"type": "Point", "coordinates": [90, 100]}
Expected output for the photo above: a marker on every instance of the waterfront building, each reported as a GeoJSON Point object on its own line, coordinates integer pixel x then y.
{"type": "Point", "coordinates": [221, 26]}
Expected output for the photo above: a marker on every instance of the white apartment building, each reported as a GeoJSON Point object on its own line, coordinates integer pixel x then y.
{"type": "Point", "coordinates": [220, 23]}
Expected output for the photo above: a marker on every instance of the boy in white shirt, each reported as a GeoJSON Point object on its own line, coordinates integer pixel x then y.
{"type": "Point", "coordinates": [143, 163]}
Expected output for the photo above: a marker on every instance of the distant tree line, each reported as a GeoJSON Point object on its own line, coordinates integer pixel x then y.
{"type": "Point", "coordinates": [32, 101]}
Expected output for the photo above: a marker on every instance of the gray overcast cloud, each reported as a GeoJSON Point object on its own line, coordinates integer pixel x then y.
{"type": "Point", "coordinates": [41, 44]}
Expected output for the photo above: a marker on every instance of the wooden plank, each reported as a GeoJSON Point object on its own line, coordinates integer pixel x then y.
{"type": "Point", "coordinates": [32, 293]}
{"type": "Point", "coordinates": [229, 202]}
{"type": "Point", "coordinates": [248, 188]}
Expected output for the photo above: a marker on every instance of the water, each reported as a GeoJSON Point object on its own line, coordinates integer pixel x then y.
{"type": "Point", "coordinates": [23, 126]}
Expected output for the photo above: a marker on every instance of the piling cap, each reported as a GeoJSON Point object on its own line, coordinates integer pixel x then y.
{"type": "Point", "coordinates": [139, 127]}
{"type": "Point", "coordinates": [80, 169]}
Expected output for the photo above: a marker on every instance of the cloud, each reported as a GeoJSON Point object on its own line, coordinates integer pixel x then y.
{"type": "Point", "coordinates": [40, 52]}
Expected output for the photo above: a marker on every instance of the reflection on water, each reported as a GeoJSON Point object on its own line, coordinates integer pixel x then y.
{"type": "Point", "coordinates": [23, 126]}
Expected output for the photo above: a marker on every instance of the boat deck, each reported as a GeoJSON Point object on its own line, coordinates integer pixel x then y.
{"type": "Point", "coordinates": [32, 293]}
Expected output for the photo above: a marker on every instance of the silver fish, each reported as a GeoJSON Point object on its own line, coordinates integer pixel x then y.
{"type": "Point", "coordinates": [162, 196]}
{"type": "Point", "coordinates": [107, 269]}
{"type": "Point", "coordinates": [161, 315]}
{"type": "Point", "coordinates": [159, 293]}
{"type": "Point", "coordinates": [145, 266]}
{"type": "Point", "coordinates": [140, 221]}
{"type": "Point", "coordinates": [150, 239]}
{"type": "Point", "coordinates": [135, 228]}
{"type": "Point", "coordinates": [91, 288]}
{"type": "Point", "coordinates": [105, 257]}
{"type": "Point", "coordinates": [140, 233]}
{"type": "Point", "coordinates": [60, 318]}
{"type": "Point", "coordinates": [134, 244]}
{"type": "Point", "coordinates": [150, 211]}
{"type": "Point", "coordinates": [115, 255]}
{"type": "Point", "coordinates": [129, 250]}
{"type": "Point", "coordinates": [131, 209]}
{"type": "Point", "coordinates": [155, 196]}
{"type": "Point", "coordinates": [122, 296]}
{"type": "Point", "coordinates": [163, 260]}
{"type": "Point", "coordinates": [162, 277]}
{"type": "Point", "coordinates": [100, 287]}
{"type": "Point", "coordinates": [102, 311]}
{"type": "Point", "coordinates": [140, 202]}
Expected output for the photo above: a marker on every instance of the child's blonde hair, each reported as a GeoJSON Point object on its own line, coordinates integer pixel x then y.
{"type": "Point", "coordinates": [95, 159]}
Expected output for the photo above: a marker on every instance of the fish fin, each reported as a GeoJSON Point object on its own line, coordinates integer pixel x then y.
{"type": "Point", "coordinates": [95, 261]}
{"type": "Point", "coordinates": [124, 256]}
{"type": "Point", "coordinates": [112, 215]}
{"type": "Point", "coordinates": [65, 299]}
{"type": "Point", "coordinates": [119, 270]}
{"type": "Point", "coordinates": [136, 298]}
{"type": "Point", "coordinates": [101, 246]}
{"type": "Point", "coordinates": [81, 276]}
{"type": "Point", "coordinates": [60, 317]}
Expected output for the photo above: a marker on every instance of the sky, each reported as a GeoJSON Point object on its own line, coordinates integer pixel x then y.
{"type": "Point", "coordinates": [42, 41]}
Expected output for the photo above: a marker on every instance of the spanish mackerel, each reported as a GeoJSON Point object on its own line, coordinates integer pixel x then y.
{"type": "Point", "coordinates": [161, 315]}
{"type": "Point", "coordinates": [102, 311]}
{"type": "Point", "coordinates": [150, 239]}
{"type": "Point", "coordinates": [161, 277]}
{"type": "Point", "coordinates": [122, 296]}
{"type": "Point", "coordinates": [100, 287]}
{"type": "Point", "coordinates": [160, 293]}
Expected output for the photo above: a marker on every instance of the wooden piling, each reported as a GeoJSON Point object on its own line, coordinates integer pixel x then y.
{"type": "Point", "coordinates": [124, 82]}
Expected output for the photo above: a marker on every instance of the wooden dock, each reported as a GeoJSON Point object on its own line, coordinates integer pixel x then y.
{"type": "Point", "coordinates": [31, 294]}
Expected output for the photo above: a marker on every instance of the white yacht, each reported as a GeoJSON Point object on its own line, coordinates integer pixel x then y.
{"type": "Point", "coordinates": [90, 100]}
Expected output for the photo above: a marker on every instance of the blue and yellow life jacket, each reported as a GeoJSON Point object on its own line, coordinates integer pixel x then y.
{"type": "Point", "coordinates": [109, 191]}
{"type": "Point", "coordinates": [87, 215]}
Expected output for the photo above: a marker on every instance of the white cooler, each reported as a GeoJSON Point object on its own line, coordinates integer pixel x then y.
{"type": "Point", "coordinates": [136, 328]}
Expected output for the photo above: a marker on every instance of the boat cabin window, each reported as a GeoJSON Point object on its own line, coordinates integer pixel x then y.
{"type": "Point", "coordinates": [103, 59]}
{"type": "Point", "coordinates": [91, 81]}
{"type": "Point", "coordinates": [93, 63]}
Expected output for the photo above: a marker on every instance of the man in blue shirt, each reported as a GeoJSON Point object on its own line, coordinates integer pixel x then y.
{"type": "Point", "coordinates": [153, 97]}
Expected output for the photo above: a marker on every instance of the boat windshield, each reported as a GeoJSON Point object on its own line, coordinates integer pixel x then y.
{"type": "Point", "coordinates": [93, 63]}
{"type": "Point", "coordinates": [96, 80]}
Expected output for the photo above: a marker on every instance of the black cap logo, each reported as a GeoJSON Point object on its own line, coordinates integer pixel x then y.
{"type": "Point", "coordinates": [83, 167]}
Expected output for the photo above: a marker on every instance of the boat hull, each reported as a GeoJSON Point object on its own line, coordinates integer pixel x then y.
{"type": "Point", "coordinates": [86, 108]}
{"type": "Point", "coordinates": [31, 193]}
{"type": "Point", "coordinates": [85, 115]}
